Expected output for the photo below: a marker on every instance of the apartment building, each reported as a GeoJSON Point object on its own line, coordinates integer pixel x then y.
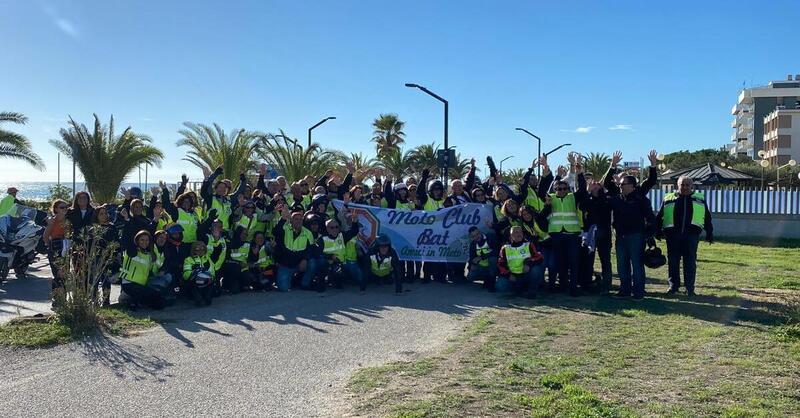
{"type": "Point", "coordinates": [752, 107]}
{"type": "Point", "coordinates": [782, 136]}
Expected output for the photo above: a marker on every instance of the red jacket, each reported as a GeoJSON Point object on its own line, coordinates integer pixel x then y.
{"type": "Point", "coordinates": [502, 262]}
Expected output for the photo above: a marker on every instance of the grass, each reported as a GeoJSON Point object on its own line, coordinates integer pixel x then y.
{"type": "Point", "coordinates": [51, 331]}
{"type": "Point", "coordinates": [733, 351]}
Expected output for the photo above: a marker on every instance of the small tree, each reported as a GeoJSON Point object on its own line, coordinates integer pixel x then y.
{"type": "Point", "coordinates": [60, 191]}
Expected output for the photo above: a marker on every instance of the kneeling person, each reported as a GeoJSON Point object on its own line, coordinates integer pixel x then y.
{"type": "Point", "coordinates": [198, 274]}
{"type": "Point", "coordinates": [335, 265]}
{"type": "Point", "coordinates": [138, 266]}
{"type": "Point", "coordinates": [482, 259]}
{"type": "Point", "coordinates": [520, 265]}
{"type": "Point", "coordinates": [384, 264]}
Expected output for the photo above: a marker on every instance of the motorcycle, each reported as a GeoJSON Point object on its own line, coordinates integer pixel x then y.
{"type": "Point", "coordinates": [20, 237]}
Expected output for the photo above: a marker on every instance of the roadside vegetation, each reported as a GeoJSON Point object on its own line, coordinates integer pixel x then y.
{"type": "Point", "coordinates": [732, 351]}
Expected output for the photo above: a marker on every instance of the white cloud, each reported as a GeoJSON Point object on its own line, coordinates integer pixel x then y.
{"type": "Point", "coordinates": [621, 128]}
{"type": "Point", "coordinates": [67, 27]}
{"type": "Point", "coordinates": [579, 130]}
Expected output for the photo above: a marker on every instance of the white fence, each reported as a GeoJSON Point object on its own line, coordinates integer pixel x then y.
{"type": "Point", "coordinates": [745, 201]}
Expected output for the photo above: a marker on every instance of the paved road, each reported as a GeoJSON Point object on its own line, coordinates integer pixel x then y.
{"type": "Point", "coordinates": [251, 354]}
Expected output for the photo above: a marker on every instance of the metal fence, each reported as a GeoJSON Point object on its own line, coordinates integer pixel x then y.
{"type": "Point", "coordinates": [744, 201]}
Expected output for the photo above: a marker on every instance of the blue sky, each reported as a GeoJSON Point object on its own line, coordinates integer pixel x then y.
{"type": "Point", "coordinates": [667, 73]}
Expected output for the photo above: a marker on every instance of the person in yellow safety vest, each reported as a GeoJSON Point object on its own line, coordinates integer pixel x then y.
{"type": "Point", "coordinates": [183, 213]}
{"type": "Point", "coordinates": [430, 199]}
{"type": "Point", "coordinates": [681, 219]}
{"type": "Point", "coordinates": [520, 265]}
{"type": "Point", "coordinates": [220, 200]}
{"type": "Point", "coordinates": [334, 264]}
{"type": "Point", "coordinates": [294, 249]}
{"type": "Point", "coordinates": [482, 259]}
{"type": "Point", "coordinates": [248, 219]}
{"type": "Point", "coordinates": [510, 218]}
{"type": "Point", "coordinates": [564, 223]}
{"type": "Point", "coordinates": [215, 240]}
{"type": "Point", "coordinates": [398, 197]}
{"type": "Point", "coordinates": [138, 264]}
{"type": "Point", "coordinates": [8, 205]}
{"type": "Point", "coordinates": [198, 274]}
{"type": "Point", "coordinates": [296, 199]}
{"type": "Point", "coordinates": [534, 228]}
{"type": "Point", "coordinates": [384, 264]}
{"type": "Point", "coordinates": [261, 264]}
{"type": "Point", "coordinates": [235, 271]}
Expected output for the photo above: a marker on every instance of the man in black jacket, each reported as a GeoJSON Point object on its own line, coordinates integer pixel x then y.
{"type": "Point", "coordinates": [683, 216]}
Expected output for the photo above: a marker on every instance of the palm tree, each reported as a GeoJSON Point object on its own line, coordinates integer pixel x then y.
{"type": "Point", "coordinates": [460, 170]}
{"type": "Point", "coordinates": [513, 177]}
{"type": "Point", "coordinates": [422, 157]}
{"type": "Point", "coordinates": [16, 146]}
{"type": "Point", "coordinates": [597, 163]}
{"type": "Point", "coordinates": [388, 133]}
{"type": "Point", "coordinates": [210, 147]}
{"type": "Point", "coordinates": [293, 161]}
{"type": "Point", "coordinates": [362, 165]}
{"type": "Point", "coordinates": [396, 163]}
{"type": "Point", "coordinates": [105, 159]}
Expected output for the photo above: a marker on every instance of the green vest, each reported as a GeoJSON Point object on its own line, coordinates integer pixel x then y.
{"type": "Point", "coordinates": [303, 240]}
{"type": "Point", "coordinates": [249, 225]}
{"type": "Point", "coordinates": [240, 255]}
{"type": "Point", "coordinates": [136, 269]}
{"type": "Point", "coordinates": [483, 250]}
{"type": "Point", "coordinates": [516, 256]}
{"type": "Point", "coordinates": [7, 206]}
{"type": "Point", "coordinates": [163, 221]}
{"type": "Point", "coordinates": [380, 268]}
{"type": "Point", "coordinates": [189, 222]}
{"type": "Point", "coordinates": [535, 231]}
{"type": "Point", "coordinates": [334, 246]}
{"type": "Point", "coordinates": [404, 206]}
{"type": "Point", "coordinates": [350, 251]}
{"type": "Point", "coordinates": [698, 210]}
{"type": "Point", "coordinates": [160, 258]}
{"type": "Point", "coordinates": [197, 262]}
{"type": "Point", "coordinates": [432, 205]}
{"type": "Point", "coordinates": [214, 243]}
{"type": "Point", "coordinates": [264, 260]}
{"type": "Point", "coordinates": [565, 216]}
{"type": "Point", "coordinates": [223, 207]}
{"type": "Point", "coordinates": [260, 226]}
{"type": "Point", "coordinates": [533, 200]}
{"type": "Point", "coordinates": [498, 212]}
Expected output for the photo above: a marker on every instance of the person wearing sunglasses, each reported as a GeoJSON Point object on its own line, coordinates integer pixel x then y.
{"type": "Point", "coordinates": [564, 221]}
{"type": "Point", "coordinates": [55, 240]}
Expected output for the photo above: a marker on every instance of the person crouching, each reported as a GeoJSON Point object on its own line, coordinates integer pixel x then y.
{"type": "Point", "coordinates": [260, 264]}
{"type": "Point", "coordinates": [198, 274]}
{"type": "Point", "coordinates": [335, 266]}
{"type": "Point", "coordinates": [520, 265]}
{"type": "Point", "coordinates": [384, 264]}
{"type": "Point", "coordinates": [482, 259]}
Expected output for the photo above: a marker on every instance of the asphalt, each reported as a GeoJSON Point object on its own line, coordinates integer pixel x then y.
{"type": "Point", "coordinates": [254, 354]}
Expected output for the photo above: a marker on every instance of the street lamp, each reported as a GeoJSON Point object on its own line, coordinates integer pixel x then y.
{"type": "Point", "coordinates": [501, 162]}
{"type": "Point", "coordinates": [318, 123]}
{"type": "Point", "coordinates": [764, 164]}
{"type": "Point", "coordinates": [293, 141]}
{"type": "Point", "coordinates": [556, 149]}
{"type": "Point", "coordinates": [538, 152]}
{"type": "Point", "coordinates": [446, 143]}
{"type": "Point", "coordinates": [791, 163]}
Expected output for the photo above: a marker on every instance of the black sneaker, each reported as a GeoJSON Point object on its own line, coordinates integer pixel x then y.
{"type": "Point", "coordinates": [690, 293]}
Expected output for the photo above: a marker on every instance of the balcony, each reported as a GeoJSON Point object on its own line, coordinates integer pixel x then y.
{"type": "Point", "coordinates": [734, 123]}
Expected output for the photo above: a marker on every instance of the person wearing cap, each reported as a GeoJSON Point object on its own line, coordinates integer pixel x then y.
{"type": "Point", "coordinates": [633, 223]}
{"type": "Point", "coordinates": [520, 266]}
{"type": "Point", "coordinates": [8, 205]}
{"type": "Point", "coordinates": [398, 197]}
{"type": "Point", "coordinates": [183, 213]}
{"type": "Point", "coordinates": [249, 218]}
{"type": "Point", "coordinates": [333, 265]}
{"type": "Point", "coordinates": [138, 266]}
{"type": "Point", "coordinates": [564, 221]}
{"type": "Point", "coordinates": [384, 264]}
{"type": "Point", "coordinates": [430, 199]}
{"type": "Point", "coordinates": [681, 219]}
{"type": "Point", "coordinates": [293, 249]}
{"type": "Point", "coordinates": [220, 200]}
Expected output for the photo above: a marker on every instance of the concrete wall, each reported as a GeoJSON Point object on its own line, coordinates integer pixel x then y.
{"type": "Point", "coordinates": [766, 226]}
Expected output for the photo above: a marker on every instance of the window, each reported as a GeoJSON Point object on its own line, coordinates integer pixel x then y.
{"type": "Point", "coordinates": [785, 121]}
{"type": "Point", "coordinates": [784, 141]}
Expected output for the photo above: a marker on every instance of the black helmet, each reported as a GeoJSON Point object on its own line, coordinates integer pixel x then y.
{"type": "Point", "coordinates": [653, 258]}
{"type": "Point", "coordinates": [383, 240]}
{"type": "Point", "coordinates": [435, 184]}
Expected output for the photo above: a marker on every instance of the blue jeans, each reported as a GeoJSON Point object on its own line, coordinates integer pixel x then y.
{"type": "Point", "coordinates": [354, 271]}
{"type": "Point", "coordinates": [629, 264]}
{"type": "Point", "coordinates": [285, 276]}
{"type": "Point", "coordinates": [524, 283]}
{"type": "Point", "coordinates": [488, 273]}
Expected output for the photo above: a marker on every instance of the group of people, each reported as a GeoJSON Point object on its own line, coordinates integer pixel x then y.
{"type": "Point", "coordinates": [273, 234]}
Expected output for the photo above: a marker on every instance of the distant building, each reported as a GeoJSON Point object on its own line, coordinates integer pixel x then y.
{"type": "Point", "coordinates": [631, 165]}
{"type": "Point", "coordinates": [782, 136]}
{"type": "Point", "coordinates": [753, 105]}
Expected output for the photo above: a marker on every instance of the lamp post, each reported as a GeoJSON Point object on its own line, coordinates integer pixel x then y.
{"type": "Point", "coordinates": [538, 152]}
{"type": "Point", "coordinates": [501, 162]}
{"type": "Point", "coordinates": [556, 149]}
{"type": "Point", "coordinates": [764, 164]}
{"type": "Point", "coordinates": [446, 143]}
{"type": "Point", "coordinates": [317, 124]}
{"type": "Point", "coordinates": [791, 163]}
